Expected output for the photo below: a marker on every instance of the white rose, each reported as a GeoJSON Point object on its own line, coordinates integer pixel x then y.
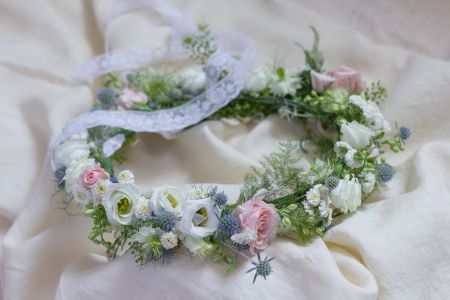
{"type": "Point", "coordinates": [357, 135]}
{"type": "Point", "coordinates": [167, 198]}
{"type": "Point", "coordinates": [258, 79]}
{"type": "Point", "coordinates": [73, 149]}
{"type": "Point", "coordinates": [119, 202]}
{"type": "Point", "coordinates": [199, 218]}
{"type": "Point", "coordinates": [74, 170]}
{"type": "Point", "coordinates": [347, 195]}
{"type": "Point", "coordinates": [193, 80]}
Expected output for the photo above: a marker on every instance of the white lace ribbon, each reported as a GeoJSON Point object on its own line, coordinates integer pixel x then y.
{"type": "Point", "coordinates": [219, 92]}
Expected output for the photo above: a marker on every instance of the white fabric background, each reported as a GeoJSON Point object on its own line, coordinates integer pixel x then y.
{"type": "Point", "coordinates": [396, 247]}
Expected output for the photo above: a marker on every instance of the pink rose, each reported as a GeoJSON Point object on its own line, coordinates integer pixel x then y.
{"type": "Point", "coordinates": [320, 82]}
{"type": "Point", "coordinates": [128, 98]}
{"type": "Point", "coordinates": [92, 175]}
{"type": "Point", "coordinates": [258, 216]}
{"type": "Point", "coordinates": [348, 79]}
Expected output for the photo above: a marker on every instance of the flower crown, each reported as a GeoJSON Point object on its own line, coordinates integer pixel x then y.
{"type": "Point", "coordinates": [346, 130]}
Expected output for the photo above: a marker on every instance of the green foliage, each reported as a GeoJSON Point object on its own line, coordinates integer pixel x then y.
{"type": "Point", "coordinates": [200, 45]}
{"type": "Point", "coordinates": [105, 162]}
{"type": "Point", "coordinates": [313, 57]}
{"type": "Point", "coordinates": [100, 227]}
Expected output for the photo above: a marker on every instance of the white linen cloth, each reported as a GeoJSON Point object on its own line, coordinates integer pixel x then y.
{"type": "Point", "coordinates": [395, 247]}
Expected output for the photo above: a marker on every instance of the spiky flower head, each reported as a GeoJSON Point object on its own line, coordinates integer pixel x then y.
{"type": "Point", "coordinates": [228, 225]}
{"type": "Point", "coordinates": [331, 182]}
{"type": "Point", "coordinates": [220, 199]}
{"type": "Point", "coordinates": [166, 220]}
{"type": "Point", "coordinates": [385, 172]}
{"type": "Point", "coordinates": [106, 97]}
{"type": "Point", "coordinates": [59, 177]}
{"type": "Point", "coordinates": [262, 267]}
{"type": "Point", "coordinates": [405, 133]}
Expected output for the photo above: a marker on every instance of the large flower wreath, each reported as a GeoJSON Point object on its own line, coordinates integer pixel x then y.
{"type": "Point", "coordinates": [345, 128]}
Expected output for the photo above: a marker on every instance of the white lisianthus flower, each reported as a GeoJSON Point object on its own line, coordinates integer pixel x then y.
{"type": "Point", "coordinates": [357, 135]}
{"type": "Point", "coordinates": [347, 195]}
{"type": "Point", "coordinates": [74, 171]}
{"type": "Point", "coordinates": [120, 201]}
{"type": "Point", "coordinates": [167, 198]}
{"type": "Point", "coordinates": [258, 79]}
{"type": "Point", "coordinates": [168, 240]}
{"type": "Point", "coordinates": [375, 119]}
{"type": "Point", "coordinates": [199, 218]}
{"type": "Point", "coordinates": [125, 176]}
{"type": "Point", "coordinates": [73, 149]}
{"type": "Point", "coordinates": [193, 244]}
{"type": "Point", "coordinates": [193, 80]}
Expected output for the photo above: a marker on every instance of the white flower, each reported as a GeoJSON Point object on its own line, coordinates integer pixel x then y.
{"type": "Point", "coordinates": [80, 195]}
{"type": "Point", "coordinates": [320, 82]}
{"type": "Point", "coordinates": [75, 169]}
{"type": "Point", "coordinates": [73, 149]}
{"type": "Point", "coordinates": [245, 237]}
{"type": "Point", "coordinates": [369, 183]}
{"type": "Point", "coordinates": [313, 195]}
{"type": "Point", "coordinates": [196, 194]}
{"type": "Point", "coordinates": [347, 195]}
{"type": "Point", "coordinates": [308, 208]}
{"type": "Point", "coordinates": [167, 198]}
{"type": "Point", "coordinates": [193, 80]}
{"type": "Point", "coordinates": [125, 176]}
{"type": "Point", "coordinates": [168, 240]}
{"type": "Point", "coordinates": [199, 218]}
{"type": "Point", "coordinates": [285, 86]}
{"type": "Point", "coordinates": [258, 79]}
{"type": "Point", "coordinates": [375, 119]}
{"type": "Point", "coordinates": [193, 244]}
{"type": "Point", "coordinates": [99, 189]}
{"type": "Point", "coordinates": [345, 151]}
{"type": "Point", "coordinates": [142, 209]}
{"type": "Point", "coordinates": [145, 234]}
{"type": "Point", "coordinates": [357, 135]}
{"type": "Point", "coordinates": [120, 201]}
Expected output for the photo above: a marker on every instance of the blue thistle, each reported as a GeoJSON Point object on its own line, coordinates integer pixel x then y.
{"type": "Point", "coordinates": [405, 133]}
{"type": "Point", "coordinates": [59, 177]}
{"type": "Point", "coordinates": [167, 255]}
{"type": "Point", "coordinates": [385, 172]}
{"type": "Point", "coordinates": [113, 179]}
{"type": "Point", "coordinates": [220, 199]}
{"type": "Point", "coordinates": [262, 267]}
{"type": "Point", "coordinates": [106, 97]}
{"type": "Point", "coordinates": [228, 225]}
{"type": "Point", "coordinates": [166, 220]}
{"type": "Point", "coordinates": [331, 182]}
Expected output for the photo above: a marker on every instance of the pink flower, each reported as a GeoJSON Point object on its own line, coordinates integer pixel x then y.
{"type": "Point", "coordinates": [258, 216]}
{"type": "Point", "coordinates": [128, 98]}
{"type": "Point", "coordinates": [348, 79]}
{"type": "Point", "coordinates": [320, 82]}
{"type": "Point", "coordinates": [92, 175]}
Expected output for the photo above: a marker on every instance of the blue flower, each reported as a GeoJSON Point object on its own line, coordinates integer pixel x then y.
{"type": "Point", "coordinates": [405, 133]}
{"type": "Point", "coordinates": [331, 182]}
{"type": "Point", "coordinates": [228, 225]}
{"type": "Point", "coordinates": [166, 220]}
{"type": "Point", "coordinates": [106, 97]}
{"type": "Point", "coordinates": [59, 177]}
{"type": "Point", "coordinates": [385, 172]}
{"type": "Point", "coordinates": [262, 267]}
{"type": "Point", "coordinates": [220, 199]}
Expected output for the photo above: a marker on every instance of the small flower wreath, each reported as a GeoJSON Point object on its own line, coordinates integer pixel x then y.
{"type": "Point", "coordinates": [286, 195]}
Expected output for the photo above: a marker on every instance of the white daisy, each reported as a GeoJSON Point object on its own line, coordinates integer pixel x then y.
{"type": "Point", "coordinates": [142, 210]}
{"type": "Point", "coordinates": [126, 176]}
